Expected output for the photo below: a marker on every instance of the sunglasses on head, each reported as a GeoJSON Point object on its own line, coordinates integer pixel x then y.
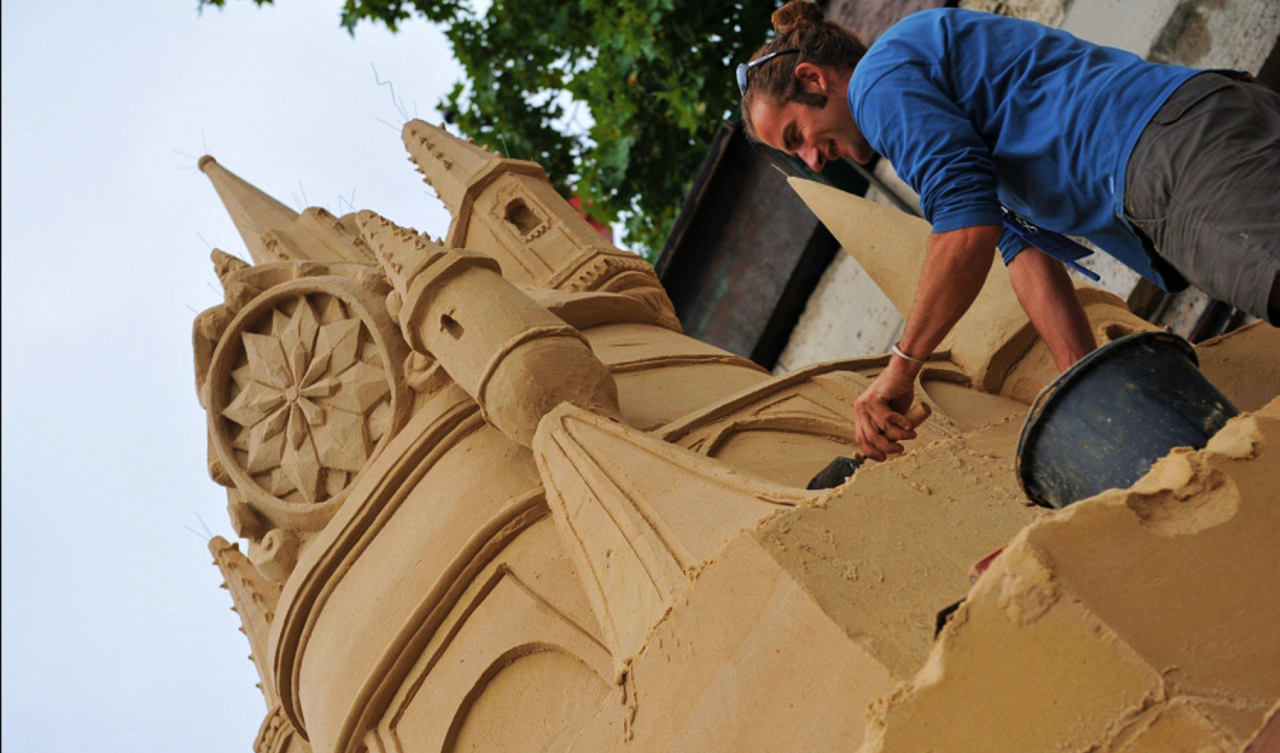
{"type": "Point", "coordinates": [745, 68]}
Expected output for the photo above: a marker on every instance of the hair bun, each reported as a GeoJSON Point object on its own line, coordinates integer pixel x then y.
{"type": "Point", "coordinates": [796, 15]}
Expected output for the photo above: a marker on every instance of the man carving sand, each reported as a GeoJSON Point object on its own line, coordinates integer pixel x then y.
{"type": "Point", "coordinates": [1174, 171]}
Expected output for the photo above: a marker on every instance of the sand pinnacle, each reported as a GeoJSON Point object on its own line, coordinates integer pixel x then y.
{"type": "Point", "coordinates": [401, 251]}
{"type": "Point", "coordinates": [447, 162]}
{"type": "Point", "coordinates": [253, 211]}
{"type": "Point", "coordinates": [888, 244]}
{"type": "Point", "coordinates": [255, 600]}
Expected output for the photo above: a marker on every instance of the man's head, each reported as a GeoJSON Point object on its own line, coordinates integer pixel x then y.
{"type": "Point", "coordinates": [794, 101]}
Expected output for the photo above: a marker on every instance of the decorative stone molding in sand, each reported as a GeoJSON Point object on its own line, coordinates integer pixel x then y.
{"type": "Point", "coordinates": [255, 598]}
{"type": "Point", "coordinates": [495, 500]}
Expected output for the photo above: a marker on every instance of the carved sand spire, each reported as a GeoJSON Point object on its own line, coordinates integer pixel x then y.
{"type": "Point", "coordinates": [253, 211]}
{"type": "Point", "coordinates": [889, 245]}
{"type": "Point", "coordinates": [402, 252]}
{"type": "Point", "coordinates": [448, 164]}
{"type": "Point", "coordinates": [255, 600]}
{"type": "Point", "coordinates": [510, 209]}
{"type": "Point", "coordinates": [273, 232]}
{"type": "Point", "coordinates": [516, 358]}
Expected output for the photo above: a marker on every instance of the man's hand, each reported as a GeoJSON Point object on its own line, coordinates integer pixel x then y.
{"type": "Point", "coordinates": [880, 412]}
{"type": "Point", "coordinates": [954, 270]}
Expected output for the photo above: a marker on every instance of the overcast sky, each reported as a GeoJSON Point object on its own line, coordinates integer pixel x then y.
{"type": "Point", "coordinates": [116, 636]}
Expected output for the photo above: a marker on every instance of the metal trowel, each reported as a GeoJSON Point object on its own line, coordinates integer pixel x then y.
{"type": "Point", "coordinates": [839, 470]}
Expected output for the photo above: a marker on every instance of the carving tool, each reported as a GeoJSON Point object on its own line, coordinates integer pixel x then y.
{"type": "Point", "coordinates": [839, 470]}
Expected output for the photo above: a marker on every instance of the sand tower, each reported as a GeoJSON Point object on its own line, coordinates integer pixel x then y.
{"type": "Point", "coordinates": [495, 500]}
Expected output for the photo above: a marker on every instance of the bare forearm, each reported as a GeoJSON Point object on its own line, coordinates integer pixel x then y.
{"type": "Point", "coordinates": [1045, 291]}
{"type": "Point", "coordinates": [954, 271]}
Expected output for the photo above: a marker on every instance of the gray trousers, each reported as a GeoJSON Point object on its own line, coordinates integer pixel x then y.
{"type": "Point", "coordinates": [1203, 184]}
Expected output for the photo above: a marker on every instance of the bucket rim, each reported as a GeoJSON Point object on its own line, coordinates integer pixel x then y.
{"type": "Point", "coordinates": [1045, 399]}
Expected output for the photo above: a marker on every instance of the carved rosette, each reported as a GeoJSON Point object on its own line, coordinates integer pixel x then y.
{"type": "Point", "coordinates": [304, 389]}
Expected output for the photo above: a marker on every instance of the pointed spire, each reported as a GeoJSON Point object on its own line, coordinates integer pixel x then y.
{"type": "Point", "coordinates": [253, 211]}
{"type": "Point", "coordinates": [447, 163]}
{"type": "Point", "coordinates": [255, 600]}
{"type": "Point", "coordinates": [508, 209]}
{"type": "Point", "coordinates": [889, 245]}
{"type": "Point", "coordinates": [403, 252]}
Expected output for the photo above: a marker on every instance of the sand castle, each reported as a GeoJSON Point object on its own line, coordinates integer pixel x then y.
{"type": "Point", "coordinates": [495, 500]}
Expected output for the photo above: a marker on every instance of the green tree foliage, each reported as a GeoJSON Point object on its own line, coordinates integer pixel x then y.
{"type": "Point", "coordinates": [655, 76]}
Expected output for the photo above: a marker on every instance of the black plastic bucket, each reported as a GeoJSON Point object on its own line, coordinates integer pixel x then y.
{"type": "Point", "coordinates": [1106, 420]}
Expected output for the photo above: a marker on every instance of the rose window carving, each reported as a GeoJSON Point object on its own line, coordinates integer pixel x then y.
{"type": "Point", "coordinates": [307, 399]}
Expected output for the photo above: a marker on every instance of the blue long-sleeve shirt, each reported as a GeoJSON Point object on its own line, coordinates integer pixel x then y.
{"type": "Point", "coordinates": [976, 110]}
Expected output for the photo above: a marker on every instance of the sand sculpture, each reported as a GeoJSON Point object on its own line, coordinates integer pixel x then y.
{"type": "Point", "coordinates": [496, 501]}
